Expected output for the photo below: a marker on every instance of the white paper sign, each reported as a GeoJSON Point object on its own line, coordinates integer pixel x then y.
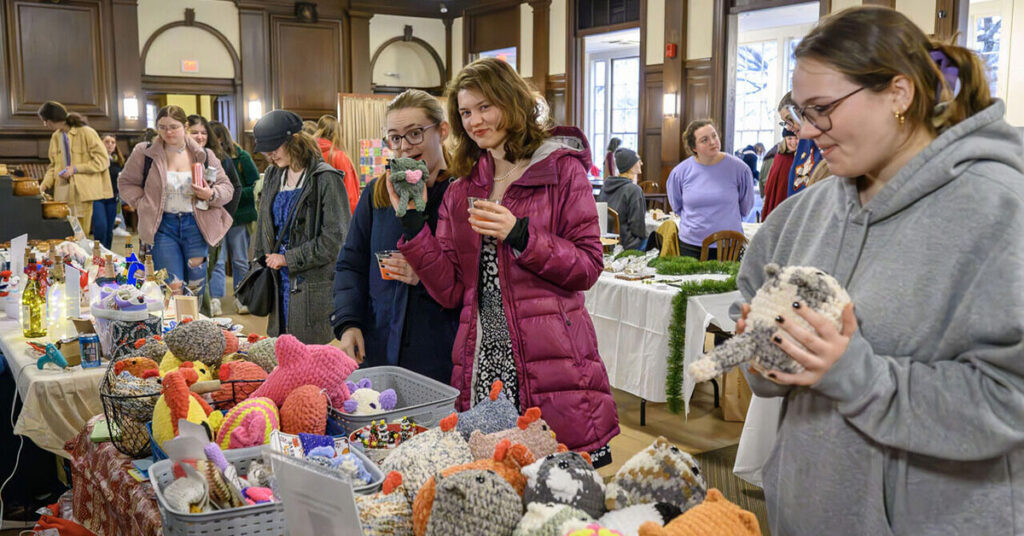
{"type": "Point", "coordinates": [314, 503]}
{"type": "Point", "coordinates": [18, 246]}
{"type": "Point", "coordinates": [73, 288]}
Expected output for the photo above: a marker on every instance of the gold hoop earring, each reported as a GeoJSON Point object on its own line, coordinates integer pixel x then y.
{"type": "Point", "coordinates": [900, 117]}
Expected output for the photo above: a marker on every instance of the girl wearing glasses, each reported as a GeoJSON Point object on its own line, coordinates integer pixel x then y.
{"type": "Point", "coordinates": [909, 417]}
{"type": "Point", "coordinates": [171, 217]}
{"type": "Point", "coordinates": [516, 261]}
{"type": "Point", "coordinates": [386, 317]}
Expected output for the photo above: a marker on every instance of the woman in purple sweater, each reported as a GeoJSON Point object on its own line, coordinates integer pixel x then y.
{"type": "Point", "coordinates": [711, 191]}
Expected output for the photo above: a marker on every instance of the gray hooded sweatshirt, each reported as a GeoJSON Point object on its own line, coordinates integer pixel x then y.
{"type": "Point", "coordinates": [919, 427]}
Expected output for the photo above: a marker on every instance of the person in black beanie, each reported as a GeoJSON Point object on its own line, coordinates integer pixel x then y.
{"type": "Point", "coordinates": [622, 194]}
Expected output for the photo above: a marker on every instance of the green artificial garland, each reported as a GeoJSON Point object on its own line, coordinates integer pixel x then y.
{"type": "Point", "coordinates": [629, 253]}
{"type": "Point", "coordinates": [677, 328]}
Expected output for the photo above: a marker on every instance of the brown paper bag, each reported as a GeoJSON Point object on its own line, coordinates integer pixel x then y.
{"type": "Point", "coordinates": [735, 396]}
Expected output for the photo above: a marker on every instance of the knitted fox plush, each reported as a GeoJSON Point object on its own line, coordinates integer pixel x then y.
{"type": "Point", "coordinates": [530, 430]}
{"type": "Point", "coordinates": [716, 515]}
{"type": "Point", "coordinates": [782, 287]}
{"type": "Point", "coordinates": [409, 177]}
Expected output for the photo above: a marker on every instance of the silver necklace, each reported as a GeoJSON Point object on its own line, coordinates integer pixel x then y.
{"type": "Point", "coordinates": [508, 173]}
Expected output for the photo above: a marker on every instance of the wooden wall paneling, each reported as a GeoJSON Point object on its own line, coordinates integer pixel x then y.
{"type": "Point", "coordinates": [951, 20]}
{"type": "Point", "coordinates": [556, 97]}
{"type": "Point", "coordinates": [359, 51]}
{"type": "Point", "coordinates": [306, 66]}
{"type": "Point", "coordinates": [128, 69]}
{"type": "Point", "coordinates": [643, 100]}
{"type": "Point", "coordinates": [492, 27]}
{"type": "Point", "coordinates": [699, 101]}
{"type": "Point", "coordinates": [447, 49]}
{"type": "Point", "coordinates": [574, 112]}
{"type": "Point", "coordinates": [255, 48]}
{"type": "Point", "coordinates": [650, 119]}
{"type": "Point", "coordinates": [883, 3]}
{"type": "Point", "coordinates": [674, 81]}
{"type": "Point", "coordinates": [824, 8]}
{"type": "Point", "coordinates": [541, 43]}
{"type": "Point", "coordinates": [43, 61]}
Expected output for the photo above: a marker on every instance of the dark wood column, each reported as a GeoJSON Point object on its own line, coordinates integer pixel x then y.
{"type": "Point", "coordinates": [674, 81]}
{"type": "Point", "coordinates": [128, 71]}
{"type": "Point", "coordinates": [447, 49]}
{"type": "Point", "coordinates": [254, 28]}
{"type": "Point", "coordinates": [359, 51]}
{"type": "Point", "coordinates": [541, 43]}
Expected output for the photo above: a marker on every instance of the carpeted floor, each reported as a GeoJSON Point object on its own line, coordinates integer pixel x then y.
{"type": "Point", "coordinates": [717, 467]}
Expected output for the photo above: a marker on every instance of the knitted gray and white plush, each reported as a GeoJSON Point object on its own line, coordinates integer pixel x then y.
{"type": "Point", "coordinates": [660, 473]}
{"type": "Point", "coordinates": [474, 502]}
{"type": "Point", "coordinates": [199, 340]}
{"type": "Point", "coordinates": [628, 520]}
{"type": "Point", "coordinates": [551, 519]}
{"type": "Point", "coordinates": [263, 354]}
{"type": "Point", "coordinates": [566, 478]}
{"type": "Point", "coordinates": [492, 414]}
{"type": "Point", "coordinates": [783, 286]}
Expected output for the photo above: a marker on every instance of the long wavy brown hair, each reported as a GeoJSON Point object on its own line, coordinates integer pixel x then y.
{"type": "Point", "coordinates": [523, 114]}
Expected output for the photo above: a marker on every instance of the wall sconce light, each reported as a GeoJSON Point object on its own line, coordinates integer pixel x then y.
{"type": "Point", "coordinates": [131, 108]}
{"type": "Point", "coordinates": [669, 105]}
{"type": "Point", "coordinates": [255, 110]}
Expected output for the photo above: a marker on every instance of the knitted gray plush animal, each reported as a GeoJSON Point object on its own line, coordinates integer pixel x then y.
{"type": "Point", "coordinates": [566, 478]}
{"type": "Point", "coordinates": [474, 502]}
{"type": "Point", "coordinates": [408, 176]}
{"type": "Point", "coordinates": [783, 286]}
{"type": "Point", "coordinates": [660, 473]}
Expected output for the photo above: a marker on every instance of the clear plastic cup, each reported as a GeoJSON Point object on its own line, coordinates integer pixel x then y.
{"type": "Point", "coordinates": [472, 200]}
{"type": "Point", "coordinates": [381, 255]}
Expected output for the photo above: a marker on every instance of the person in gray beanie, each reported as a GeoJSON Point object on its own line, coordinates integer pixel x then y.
{"type": "Point", "coordinates": [622, 194]}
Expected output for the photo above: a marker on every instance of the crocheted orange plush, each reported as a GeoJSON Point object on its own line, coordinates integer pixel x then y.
{"type": "Point", "coordinates": [244, 379]}
{"type": "Point", "coordinates": [508, 462]}
{"type": "Point", "coordinates": [137, 366]}
{"type": "Point", "coordinates": [305, 411]}
{"type": "Point", "coordinates": [178, 402]}
{"type": "Point", "coordinates": [716, 515]}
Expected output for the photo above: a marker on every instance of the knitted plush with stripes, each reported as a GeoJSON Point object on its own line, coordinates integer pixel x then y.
{"type": "Point", "coordinates": [530, 430]}
{"type": "Point", "coordinates": [507, 462]}
{"type": "Point", "coordinates": [301, 364]}
{"type": "Point", "coordinates": [660, 473]}
{"type": "Point", "coordinates": [474, 502]}
{"type": "Point", "coordinates": [249, 424]}
{"type": "Point", "coordinates": [426, 454]}
{"type": "Point", "coordinates": [551, 519]}
{"type": "Point", "coordinates": [716, 515]}
{"type": "Point", "coordinates": [566, 478]}
{"type": "Point", "coordinates": [493, 414]}
{"type": "Point", "coordinates": [388, 512]}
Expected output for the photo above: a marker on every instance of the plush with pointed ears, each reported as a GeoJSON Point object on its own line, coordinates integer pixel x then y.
{"type": "Point", "coordinates": [363, 400]}
{"type": "Point", "coordinates": [301, 364]}
{"type": "Point", "coordinates": [387, 513]}
{"type": "Point", "coordinates": [409, 177]}
{"type": "Point", "coordinates": [493, 414]}
{"type": "Point", "coordinates": [716, 515]}
{"type": "Point", "coordinates": [530, 430]}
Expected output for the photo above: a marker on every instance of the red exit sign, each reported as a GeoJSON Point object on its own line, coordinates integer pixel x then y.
{"type": "Point", "coordinates": [189, 66]}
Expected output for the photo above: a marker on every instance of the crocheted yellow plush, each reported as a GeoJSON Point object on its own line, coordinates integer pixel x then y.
{"type": "Point", "coordinates": [249, 424]}
{"type": "Point", "coordinates": [716, 515]}
{"type": "Point", "coordinates": [177, 402]}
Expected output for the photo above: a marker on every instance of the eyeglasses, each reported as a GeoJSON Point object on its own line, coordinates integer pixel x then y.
{"type": "Point", "coordinates": [169, 128]}
{"type": "Point", "coordinates": [819, 115]}
{"type": "Point", "coordinates": [414, 137]}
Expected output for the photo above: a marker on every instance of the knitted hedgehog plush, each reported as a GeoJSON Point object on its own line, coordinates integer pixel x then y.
{"type": "Point", "coordinates": [474, 502]}
{"type": "Point", "coordinates": [551, 519]}
{"type": "Point", "coordinates": [493, 414]}
{"type": "Point", "coordinates": [566, 478]}
{"type": "Point", "coordinates": [716, 515]}
{"type": "Point", "coordinates": [782, 287]}
{"type": "Point", "coordinates": [426, 454]}
{"type": "Point", "coordinates": [507, 462]}
{"type": "Point", "coordinates": [408, 176]}
{"type": "Point", "coordinates": [305, 411]}
{"type": "Point", "coordinates": [530, 430]}
{"type": "Point", "coordinates": [201, 340]}
{"type": "Point", "coordinates": [659, 473]}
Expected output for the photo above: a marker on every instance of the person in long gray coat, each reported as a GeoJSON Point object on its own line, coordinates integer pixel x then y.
{"type": "Point", "coordinates": [304, 201]}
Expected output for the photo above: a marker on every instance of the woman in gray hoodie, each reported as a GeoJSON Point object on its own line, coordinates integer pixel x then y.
{"type": "Point", "coordinates": [910, 418]}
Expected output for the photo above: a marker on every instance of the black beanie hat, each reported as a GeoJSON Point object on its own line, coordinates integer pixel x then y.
{"type": "Point", "coordinates": [625, 159]}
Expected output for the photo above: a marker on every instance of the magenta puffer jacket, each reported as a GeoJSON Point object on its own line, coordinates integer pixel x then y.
{"type": "Point", "coordinates": [553, 339]}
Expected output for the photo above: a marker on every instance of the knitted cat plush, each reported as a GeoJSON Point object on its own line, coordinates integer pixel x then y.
{"type": "Point", "coordinates": [716, 515]}
{"type": "Point", "coordinates": [782, 287]}
{"type": "Point", "coordinates": [493, 414]}
{"type": "Point", "coordinates": [530, 430]}
{"type": "Point", "coordinates": [300, 364]}
{"type": "Point", "coordinates": [566, 478]}
{"type": "Point", "coordinates": [474, 502]}
{"type": "Point", "coordinates": [408, 176]}
{"type": "Point", "coordinates": [659, 473]}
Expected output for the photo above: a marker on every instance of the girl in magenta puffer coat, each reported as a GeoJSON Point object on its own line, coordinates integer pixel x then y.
{"type": "Point", "coordinates": [518, 261]}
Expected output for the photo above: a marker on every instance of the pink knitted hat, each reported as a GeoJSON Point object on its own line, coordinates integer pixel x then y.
{"type": "Point", "coordinates": [299, 364]}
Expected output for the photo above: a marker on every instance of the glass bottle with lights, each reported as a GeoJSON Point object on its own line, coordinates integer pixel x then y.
{"type": "Point", "coordinates": [151, 288]}
{"type": "Point", "coordinates": [57, 297]}
{"type": "Point", "coordinates": [33, 303]}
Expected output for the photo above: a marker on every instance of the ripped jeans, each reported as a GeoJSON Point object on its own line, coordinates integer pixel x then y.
{"type": "Point", "coordinates": [180, 248]}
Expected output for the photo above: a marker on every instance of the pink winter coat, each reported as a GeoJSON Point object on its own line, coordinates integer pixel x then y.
{"type": "Point", "coordinates": [553, 339]}
{"type": "Point", "coordinates": [213, 223]}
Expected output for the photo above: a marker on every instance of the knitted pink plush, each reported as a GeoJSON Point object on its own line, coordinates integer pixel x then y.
{"type": "Point", "coordinates": [259, 495]}
{"type": "Point", "coordinates": [299, 364]}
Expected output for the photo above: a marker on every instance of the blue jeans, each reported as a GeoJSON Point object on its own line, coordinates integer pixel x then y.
{"type": "Point", "coordinates": [235, 244]}
{"type": "Point", "coordinates": [177, 240]}
{"type": "Point", "coordinates": [103, 213]}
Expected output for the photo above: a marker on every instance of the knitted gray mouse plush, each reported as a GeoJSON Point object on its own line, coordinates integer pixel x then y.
{"type": "Point", "coordinates": [783, 286]}
{"type": "Point", "coordinates": [408, 176]}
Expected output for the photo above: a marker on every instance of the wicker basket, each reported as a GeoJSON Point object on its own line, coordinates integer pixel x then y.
{"type": "Point", "coordinates": [423, 400]}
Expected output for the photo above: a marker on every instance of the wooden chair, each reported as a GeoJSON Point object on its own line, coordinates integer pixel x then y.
{"type": "Point", "coordinates": [654, 195]}
{"type": "Point", "coordinates": [651, 187]}
{"type": "Point", "coordinates": [729, 243]}
{"type": "Point", "coordinates": [613, 215]}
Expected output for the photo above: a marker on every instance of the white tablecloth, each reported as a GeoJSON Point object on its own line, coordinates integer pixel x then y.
{"type": "Point", "coordinates": [632, 319]}
{"type": "Point", "coordinates": [702, 311]}
{"type": "Point", "coordinates": [651, 225]}
{"type": "Point", "coordinates": [55, 403]}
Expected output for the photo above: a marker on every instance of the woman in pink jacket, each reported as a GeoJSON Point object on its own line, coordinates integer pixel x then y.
{"type": "Point", "coordinates": [180, 219]}
{"type": "Point", "coordinates": [517, 263]}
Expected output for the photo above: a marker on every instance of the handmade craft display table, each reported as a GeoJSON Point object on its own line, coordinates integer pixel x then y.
{"type": "Point", "coordinates": [632, 320]}
{"type": "Point", "coordinates": [55, 403]}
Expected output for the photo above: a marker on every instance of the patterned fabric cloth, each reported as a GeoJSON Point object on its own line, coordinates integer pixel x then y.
{"type": "Point", "coordinates": [284, 204]}
{"type": "Point", "coordinates": [494, 358]}
{"type": "Point", "coordinates": [107, 500]}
